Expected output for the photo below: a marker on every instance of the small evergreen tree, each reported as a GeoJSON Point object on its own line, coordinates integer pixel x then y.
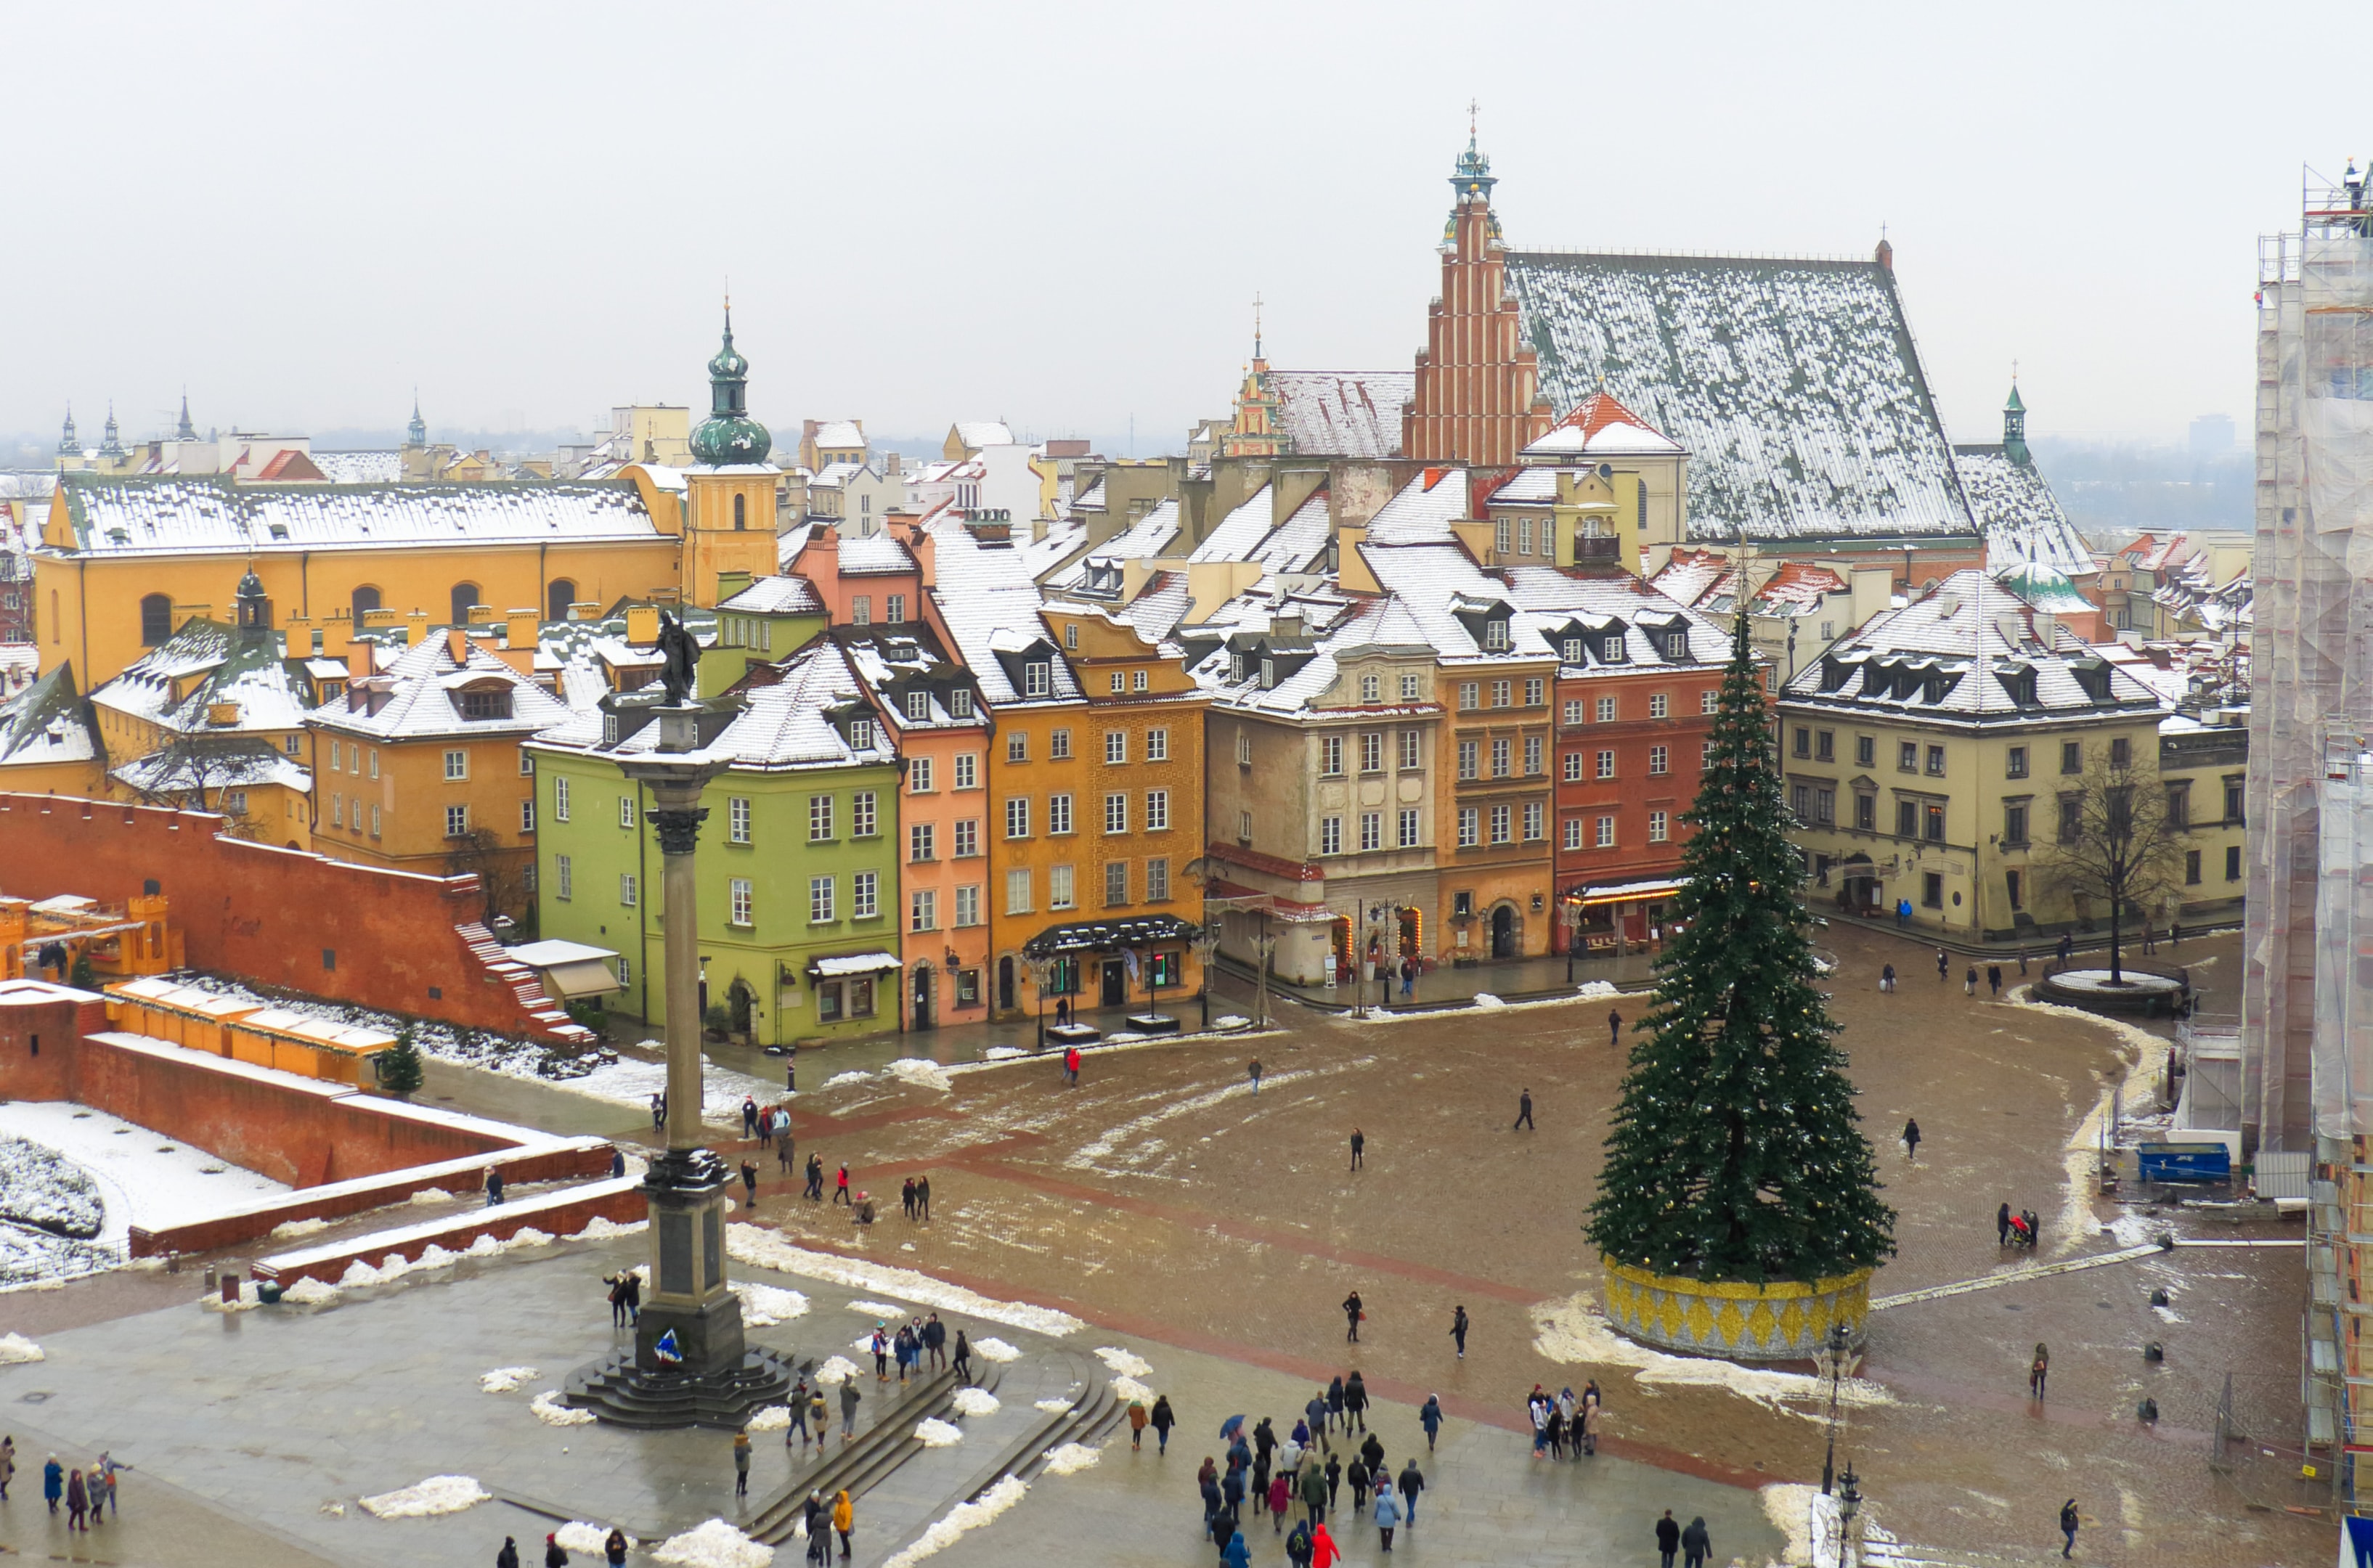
{"type": "Point", "coordinates": [83, 977]}
{"type": "Point", "coordinates": [1735, 1152]}
{"type": "Point", "coordinates": [399, 1065]}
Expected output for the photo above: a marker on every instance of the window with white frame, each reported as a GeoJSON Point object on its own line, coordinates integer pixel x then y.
{"type": "Point", "coordinates": [1411, 828]}
{"type": "Point", "coordinates": [1119, 682]}
{"type": "Point", "coordinates": [737, 819]}
{"type": "Point", "coordinates": [560, 799]}
{"type": "Point", "coordinates": [457, 765]}
{"type": "Point", "coordinates": [920, 779]}
{"type": "Point", "coordinates": [1412, 687]}
{"type": "Point", "coordinates": [736, 893]}
{"type": "Point", "coordinates": [1471, 695]}
{"type": "Point", "coordinates": [1706, 754]}
{"type": "Point", "coordinates": [1535, 694]}
{"type": "Point", "coordinates": [1606, 709]}
{"type": "Point", "coordinates": [1605, 764]}
{"type": "Point", "coordinates": [1372, 751]}
{"type": "Point", "coordinates": [1657, 827]}
{"type": "Point", "coordinates": [1058, 744]}
{"type": "Point", "coordinates": [1502, 822]}
{"type": "Point", "coordinates": [1372, 829]}
{"type": "Point", "coordinates": [861, 734]}
{"type": "Point", "coordinates": [1330, 835]}
{"type": "Point", "coordinates": [894, 608]}
{"type": "Point", "coordinates": [1330, 756]}
{"type": "Point", "coordinates": [820, 901]}
{"type": "Point", "coordinates": [1532, 756]}
{"type": "Point", "coordinates": [1469, 753]}
{"type": "Point", "coordinates": [1157, 810]}
{"type": "Point", "coordinates": [374, 825]}
{"type": "Point", "coordinates": [960, 703]}
{"type": "Point", "coordinates": [1574, 767]}
{"type": "Point", "coordinates": [1157, 745]}
{"type": "Point", "coordinates": [1709, 699]}
{"type": "Point", "coordinates": [338, 810]}
{"type": "Point", "coordinates": [1034, 679]}
{"type": "Point", "coordinates": [1604, 837]}
{"type": "Point", "coordinates": [527, 759]}
{"type": "Point", "coordinates": [1059, 814]}
{"type": "Point", "coordinates": [456, 820]}
{"type": "Point", "coordinates": [922, 840]}
{"type": "Point", "coordinates": [864, 895]}
{"type": "Point", "coordinates": [1244, 746]}
{"type": "Point", "coordinates": [527, 816]}
{"type": "Point", "coordinates": [1017, 891]}
{"type": "Point", "coordinates": [1157, 881]}
{"type": "Point", "coordinates": [1115, 883]}
{"type": "Point", "coordinates": [1116, 812]}
{"type": "Point", "coordinates": [1533, 820]}
{"type": "Point", "coordinates": [625, 972]}
{"type": "Point", "coordinates": [1656, 755]}
{"type": "Point", "coordinates": [1137, 681]}
{"type": "Point", "coordinates": [967, 837]}
{"type": "Point", "coordinates": [629, 889]}
{"type": "Point", "coordinates": [1470, 827]}
{"type": "Point", "coordinates": [860, 609]}
{"type": "Point", "coordinates": [861, 808]}
{"type": "Point", "coordinates": [564, 877]}
{"type": "Point", "coordinates": [1503, 693]}
{"type": "Point", "coordinates": [626, 811]}
{"type": "Point", "coordinates": [919, 707]}
{"type": "Point", "coordinates": [819, 817]}
{"type": "Point", "coordinates": [967, 770]}
{"type": "Point", "coordinates": [1017, 816]}
{"type": "Point", "coordinates": [1372, 688]}
{"type": "Point", "coordinates": [1501, 753]}
{"type": "Point", "coordinates": [968, 905]}
{"type": "Point", "coordinates": [1412, 750]}
{"type": "Point", "coordinates": [1115, 746]}
{"type": "Point", "coordinates": [1573, 831]}
{"type": "Point", "coordinates": [923, 910]}
{"type": "Point", "coordinates": [1017, 746]}
{"type": "Point", "coordinates": [1058, 888]}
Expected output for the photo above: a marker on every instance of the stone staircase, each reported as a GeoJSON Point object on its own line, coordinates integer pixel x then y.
{"type": "Point", "coordinates": [721, 1400]}
{"type": "Point", "coordinates": [549, 1017]}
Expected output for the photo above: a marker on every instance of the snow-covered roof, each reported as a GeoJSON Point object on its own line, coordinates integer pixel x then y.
{"type": "Point", "coordinates": [878, 555]}
{"type": "Point", "coordinates": [901, 663]}
{"type": "Point", "coordinates": [839, 436]}
{"type": "Point", "coordinates": [1968, 650]}
{"type": "Point", "coordinates": [1596, 610]}
{"type": "Point", "coordinates": [831, 476]}
{"type": "Point", "coordinates": [419, 695]}
{"type": "Point", "coordinates": [1150, 535]}
{"type": "Point", "coordinates": [1311, 663]}
{"type": "Point", "coordinates": [45, 722]}
{"type": "Point", "coordinates": [855, 963]}
{"type": "Point", "coordinates": [2020, 516]}
{"type": "Point", "coordinates": [1794, 386]}
{"type": "Point", "coordinates": [1239, 531]}
{"type": "Point", "coordinates": [1600, 427]}
{"type": "Point", "coordinates": [1447, 594]}
{"type": "Point", "coordinates": [212, 515]}
{"type": "Point", "coordinates": [171, 775]}
{"type": "Point", "coordinates": [1342, 413]}
{"type": "Point", "coordinates": [799, 718]}
{"type": "Point", "coordinates": [1423, 510]}
{"type": "Point", "coordinates": [979, 432]}
{"type": "Point", "coordinates": [360, 468]}
{"type": "Point", "coordinates": [1298, 544]}
{"type": "Point", "coordinates": [177, 684]}
{"type": "Point", "coordinates": [775, 596]}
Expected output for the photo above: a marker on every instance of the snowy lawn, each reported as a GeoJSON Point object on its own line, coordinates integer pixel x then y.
{"type": "Point", "coordinates": [138, 1177]}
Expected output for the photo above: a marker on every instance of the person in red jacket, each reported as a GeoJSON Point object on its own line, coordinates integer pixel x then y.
{"type": "Point", "coordinates": [1324, 1552]}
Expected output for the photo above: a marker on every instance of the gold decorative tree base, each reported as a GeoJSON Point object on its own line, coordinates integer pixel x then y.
{"type": "Point", "coordinates": [1784, 1320]}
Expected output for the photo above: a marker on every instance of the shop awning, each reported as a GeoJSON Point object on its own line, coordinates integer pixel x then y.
{"type": "Point", "coordinates": [1111, 936]}
{"type": "Point", "coordinates": [570, 969]}
{"type": "Point", "coordinates": [854, 963]}
{"type": "Point", "coordinates": [1629, 892]}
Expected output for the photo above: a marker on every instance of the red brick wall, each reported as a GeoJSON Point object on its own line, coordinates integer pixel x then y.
{"type": "Point", "coordinates": [267, 915]}
{"type": "Point", "coordinates": [55, 1024]}
{"type": "Point", "coordinates": [564, 1214]}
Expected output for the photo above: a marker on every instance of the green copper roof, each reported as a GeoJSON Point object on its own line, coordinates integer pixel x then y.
{"type": "Point", "coordinates": [2014, 406]}
{"type": "Point", "coordinates": [728, 435]}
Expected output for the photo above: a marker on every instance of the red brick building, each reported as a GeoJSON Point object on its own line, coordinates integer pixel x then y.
{"type": "Point", "coordinates": [1477, 398]}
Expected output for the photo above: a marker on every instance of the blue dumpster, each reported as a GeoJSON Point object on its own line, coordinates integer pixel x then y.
{"type": "Point", "coordinates": [2185, 1162]}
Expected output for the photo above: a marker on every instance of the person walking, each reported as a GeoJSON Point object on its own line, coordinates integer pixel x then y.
{"type": "Point", "coordinates": [850, 1397]}
{"type": "Point", "coordinates": [742, 1463]}
{"type": "Point", "coordinates": [1458, 1329]}
{"type": "Point", "coordinates": [1524, 1109]}
{"type": "Point", "coordinates": [1389, 1511]}
{"type": "Point", "coordinates": [840, 1191]}
{"type": "Point", "coordinates": [2150, 939]}
{"type": "Point", "coordinates": [53, 1482]}
{"type": "Point", "coordinates": [815, 1178]}
{"type": "Point", "coordinates": [844, 1520]}
{"type": "Point", "coordinates": [1614, 1028]}
{"type": "Point", "coordinates": [77, 1502]}
{"type": "Point", "coordinates": [767, 1128]}
{"type": "Point", "coordinates": [1943, 966]}
{"type": "Point", "coordinates": [923, 1199]}
{"type": "Point", "coordinates": [907, 1197]}
{"type": "Point", "coordinates": [1409, 978]}
{"type": "Point", "coordinates": [509, 1556]}
{"type": "Point", "coordinates": [1254, 1068]}
{"type": "Point", "coordinates": [749, 1117]}
{"type": "Point", "coordinates": [2001, 1225]}
{"type": "Point", "coordinates": [798, 1406]}
{"type": "Point", "coordinates": [935, 1340]}
{"type": "Point", "coordinates": [1313, 1493]}
{"type": "Point", "coordinates": [750, 1181]}
{"type": "Point", "coordinates": [1208, 1478]}
{"type": "Point", "coordinates": [1232, 1493]}
{"type": "Point", "coordinates": [634, 1284]}
{"type": "Point", "coordinates": [494, 1187]}
{"type": "Point", "coordinates": [1280, 1499]}
{"type": "Point", "coordinates": [1324, 1552]}
{"type": "Point", "coordinates": [2068, 1523]}
{"type": "Point", "coordinates": [1911, 1140]}
{"type": "Point", "coordinates": [658, 1114]}
{"type": "Point", "coordinates": [1162, 1420]}
{"type": "Point", "coordinates": [820, 1415]}
{"type": "Point", "coordinates": [2067, 948]}
{"type": "Point", "coordinates": [1355, 1402]}
{"type": "Point", "coordinates": [1072, 1067]}
{"type": "Point", "coordinates": [1335, 1404]}
{"type": "Point", "coordinates": [1696, 1544]}
{"type": "Point", "coordinates": [960, 1360]}
{"type": "Point", "coordinates": [1357, 1474]}
{"type": "Point", "coordinates": [1429, 1416]}
{"type": "Point", "coordinates": [7, 1465]}
{"type": "Point", "coordinates": [1358, 1148]}
{"type": "Point", "coordinates": [2038, 1370]}
{"type": "Point", "coordinates": [1668, 1540]}
{"type": "Point", "coordinates": [1969, 981]}
{"type": "Point", "coordinates": [1411, 1481]}
{"type": "Point", "coordinates": [783, 1158]}
{"type": "Point", "coordinates": [1886, 979]}
{"type": "Point", "coordinates": [1352, 1313]}
{"type": "Point", "coordinates": [1993, 981]}
{"type": "Point", "coordinates": [617, 1283]}
{"type": "Point", "coordinates": [614, 1548]}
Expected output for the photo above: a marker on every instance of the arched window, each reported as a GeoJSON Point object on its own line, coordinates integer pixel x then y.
{"type": "Point", "coordinates": [365, 599]}
{"type": "Point", "coordinates": [558, 597]}
{"type": "Point", "coordinates": [739, 521]}
{"type": "Point", "coordinates": [464, 596]}
{"type": "Point", "coordinates": [156, 619]}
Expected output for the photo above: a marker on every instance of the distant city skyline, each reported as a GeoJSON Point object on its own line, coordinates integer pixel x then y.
{"type": "Point", "coordinates": [301, 224]}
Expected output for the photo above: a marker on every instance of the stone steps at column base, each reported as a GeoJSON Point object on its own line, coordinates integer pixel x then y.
{"type": "Point", "coordinates": [618, 1392]}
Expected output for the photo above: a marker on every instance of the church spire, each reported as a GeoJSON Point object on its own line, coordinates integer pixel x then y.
{"type": "Point", "coordinates": [185, 431]}
{"type": "Point", "coordinates": [728, 435]}
{"type": "Point", "coordinates": [417, 433]}
{"type": "Point", "coordinates": [2015, 425]}
{"type": "Point", "coordinates": [69, 443]}
{"type": "Point", "coordinates": [112, 445]}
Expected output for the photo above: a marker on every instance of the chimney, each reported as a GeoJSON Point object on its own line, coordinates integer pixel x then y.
{"type": "Point", "coordinates": [519, 629]}
{"type": "Point", "coordinates": [643, 625]}
{"type": "Point", "coordinates": [299, 634]}
{"type": "Point", "coordinates": [457, 644]}
{"type": "Point", "coordinates": [416, 628]}
{"type": "Point", "coordinates": [1884, 255]}
{"type": "Point", "coordinates": [360, 664]}
{"type": "Point", "coordinates": [334, 637]}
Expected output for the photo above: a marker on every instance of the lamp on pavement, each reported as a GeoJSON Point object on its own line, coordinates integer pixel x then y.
{"type": "Point", "coordinates": [1572, 910]}
{"type": "Point", "coordinates": [1848, 1505]}
{"type": "Point", "coordinates": [1040, 970]}
{"type": "Point", "coordinates": [1835, 1352]}
{"type": "Point", "coordinates": [1206, 943]}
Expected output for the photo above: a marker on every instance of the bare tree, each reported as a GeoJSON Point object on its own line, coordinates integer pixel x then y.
{"type": "Point", "coordinates": [198, 770]}
{"type": "Point", "coordinates": [501, 873]}
{"type": "Point", "coordinates": [2116, 840]}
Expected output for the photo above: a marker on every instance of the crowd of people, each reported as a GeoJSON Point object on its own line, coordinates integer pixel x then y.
{"type": "Point", "coordinates": [1300, 1476]}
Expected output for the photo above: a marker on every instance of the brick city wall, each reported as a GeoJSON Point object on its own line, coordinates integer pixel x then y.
{"type": "Point", "coordinates": [277, 917]}
{"type": "Point", "coordinates": [38, 1027]}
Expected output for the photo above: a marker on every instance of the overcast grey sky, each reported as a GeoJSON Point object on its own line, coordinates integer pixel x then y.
{"type": "Point", "coordinates": [1061, 214]}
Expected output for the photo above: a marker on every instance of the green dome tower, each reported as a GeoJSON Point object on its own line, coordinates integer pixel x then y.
{"type": "Point", "coordinates": [728, 435]}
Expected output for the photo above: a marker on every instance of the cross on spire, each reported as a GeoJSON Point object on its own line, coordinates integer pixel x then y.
{"type": "Point", "coordinates": [1472, 106]}
{"type": "Point", "coordinates": [1257, 324]}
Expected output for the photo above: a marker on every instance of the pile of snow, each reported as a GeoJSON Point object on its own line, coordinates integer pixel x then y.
{"type": "Point", "coordinates": [310, 1292]}
{"type": "Point", "coordinates": [836, 1370]}
{"type": "Point", "coordinates": [765, 1249]}
{"type": "Point", "coordinates": [1055, 1407]}
{"type": "Point", "coordinates": [763, 1306]}
{"type": "Point", "coordinates": [579, 1535]}
{"type": "Point", "coordinates": [289, 1230]}
{"type": "Point", "coordinates": [1003, 1053]}
{"type": "Point", "coordinates": [601, 1229]}
{"type": "Point", "coordinates": [771, 1418]}
{"type": "Point", "coordinates": [42, 1189]}
{"type": "Point", "coordinates": [976, 1402]}
{"type": "Point", "coordinates": [428, 1195]}
{"type": "Point", "coordinates": [1789, 1506]}
{"type": "Point", "coordinates": [552, 1412]}
{"type": "Point", "coordinates": [248, 1299]}
{"type": "Point", "coordinates": [933, 1432]}
{"type": "Point", "coordinates": [839, 1079]}
{"type": "Point", "coordinates": [1231, 1021]}
{"type": "Point", "coordinates": [1071, 1458]}
{"type": "Point", "coordinates": [15, 1349]}
{"type": "Point", "coordinates": [922, 1074]}
{"type": "Point", "coordinates": [714, 1545]}
{"type": "Point", "coordinates": [1590, 988]}
{"type": "Point", "coordinates": [1573, 1331]}
{"type": "Point", "coordinates": [438, 1495]}
{"type": "Point", "coordinates": [394, 1266]}
{"type": "Point", "coordinates": [881, 1310]}
{"type": "Point", "coordinates": [1126, 1363]}
{"type": "Point", "coordinates": [632, 1081]}
{"type": "Point", "coordinates": [964, 1516]}
{"type": "Point", "coordinates": [1484, 999]}
{"type": "Point", "coordinates": [1128, 1389]}
{"type": "Point", "coordinates": [505, 1380]}
{"type": "Point", "coordinates": [996, 1349]}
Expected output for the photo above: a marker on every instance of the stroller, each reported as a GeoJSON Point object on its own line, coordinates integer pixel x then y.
{"type": "Point", "coordinates": [2022, 1228]}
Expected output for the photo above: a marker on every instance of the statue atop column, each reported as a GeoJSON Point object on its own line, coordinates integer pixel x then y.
{"type": "Point", "coordinates": [681, 652]}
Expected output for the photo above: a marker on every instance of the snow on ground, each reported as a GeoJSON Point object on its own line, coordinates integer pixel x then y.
{"type": "Point", "coordinates": [957, 1521]}
{"type": "Point", "coordinates": [835, 1371]}
{"type": "Point", "coordinates": [34, 1260]}
{"type": "Point", "coordinates": [552, 1412]}
{"type": "Point", "coordinates": [44, 1191]}
{"type": "Point", "coordinates": [769, 1418]}
{"type": "Point", "coordinates": [1128, 1364]}
{"type": "Point", "coordinates": [922, 1074]}
{"type": "Point", "coordinates": [310, 1292]}
{"type": "Point", "coordinates": [1071, 1458]}
{"type": "Point", "coordinates": [765, 1249]}
{"type": "Point", "coordinates": [976, 1402]}
{"type": "Point", "coordinates": [2096, 983]}
{"type": "Point", "coordinates": [448, 1042]}
{"type": "Point", "coordinates": [881, 1309]}
{"type": "Point", "coordinates": [839, 1080]}
{"type": "Point", "coordinates": [579, 1535]}
{"type": "Point", "coordinates": [438, 1495]}
{"type": "Point", "coordinates": [1486, 1000]}
{"type": "Point", "coordinates": [1055, 1407]}
{"type": "Point", "coordinates": [1573, 1331]}
{"type": "Point", "coordinates": [16, 1348]}
{"type": "Point", "coordinates": [1131, 1135]}
{"type": "Point", "coordinates": [933, 1432]}
{"type": "Point", "coordinates": [1231, 1021]}
{"type": "Point", "coordinates": [505, 1380]}
{"type": "Point", "coordinates": [144, 1177]}
{"type": "Point", "coordinates": [996, 1349]}
{"type": "Point", "coordinates": [763, 1306]}
{"type": "Point", "coordinates": [2081, 1153]}
{"type": "Point", "coordinates": [714, 1545]}
{"type": "Point", "coordinates": [289, 1230]}
{"type": "Point", "coordinates": [1129, 1391]}
{"type": "Point", "coordinates": [1003, 1053]}
{"type": "Point", "coordinates": [629, 1081]}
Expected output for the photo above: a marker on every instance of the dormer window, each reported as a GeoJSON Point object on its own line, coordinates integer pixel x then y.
{"type": "Point", "coordinates": [919, 706]}
{"type": "Point", "coordinates": [1614, 648]}
{"type": "Point", "coordinates": [960, 703]}
{"type": "Point", "coordinates": [1236, 667]}
{"type": "Point", "coordinates": [1071, 638]}
{"type": "Point", "coordinates": [1677, 644]}
{"type": "Point", "coordinates": [1269, 672]}
{"type": "Point", "coordinates": [1495, 635]}
{"type": "Point", "coordinates": [1035, 679]}
{"type": "Point", "coordinates": [1572, 650]}
{"type": "Point", "coordinates": [486, 703]}
{"type": "Point", "coordinates": [1372, 688]}
{"type": "Point", "coordinates": [609, 729]}
{"type": "Point", "coordinates": [861, 734]}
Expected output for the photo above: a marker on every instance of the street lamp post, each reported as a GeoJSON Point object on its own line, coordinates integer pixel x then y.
{"type": "Point", "coordinates": [1263, 946]}
{"type": "Point", "coordinates": [1572, 911]}
{"type": "Point", "coordinates": [1041, 972]}
{"type": "Point", "coordinates": [1848, 1505]}
{"type": "Point", "coordinates": [1206, 943]}
{"type": "Point", "coordinates": [1837, 1360]}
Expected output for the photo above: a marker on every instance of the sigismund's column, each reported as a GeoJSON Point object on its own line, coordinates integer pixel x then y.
{"type": "Point", "coordinates": [686, 1185]}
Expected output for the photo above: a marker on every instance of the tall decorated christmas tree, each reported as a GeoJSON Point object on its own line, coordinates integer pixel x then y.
{"type": "Point", "coordinates": [1738, 1211]}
